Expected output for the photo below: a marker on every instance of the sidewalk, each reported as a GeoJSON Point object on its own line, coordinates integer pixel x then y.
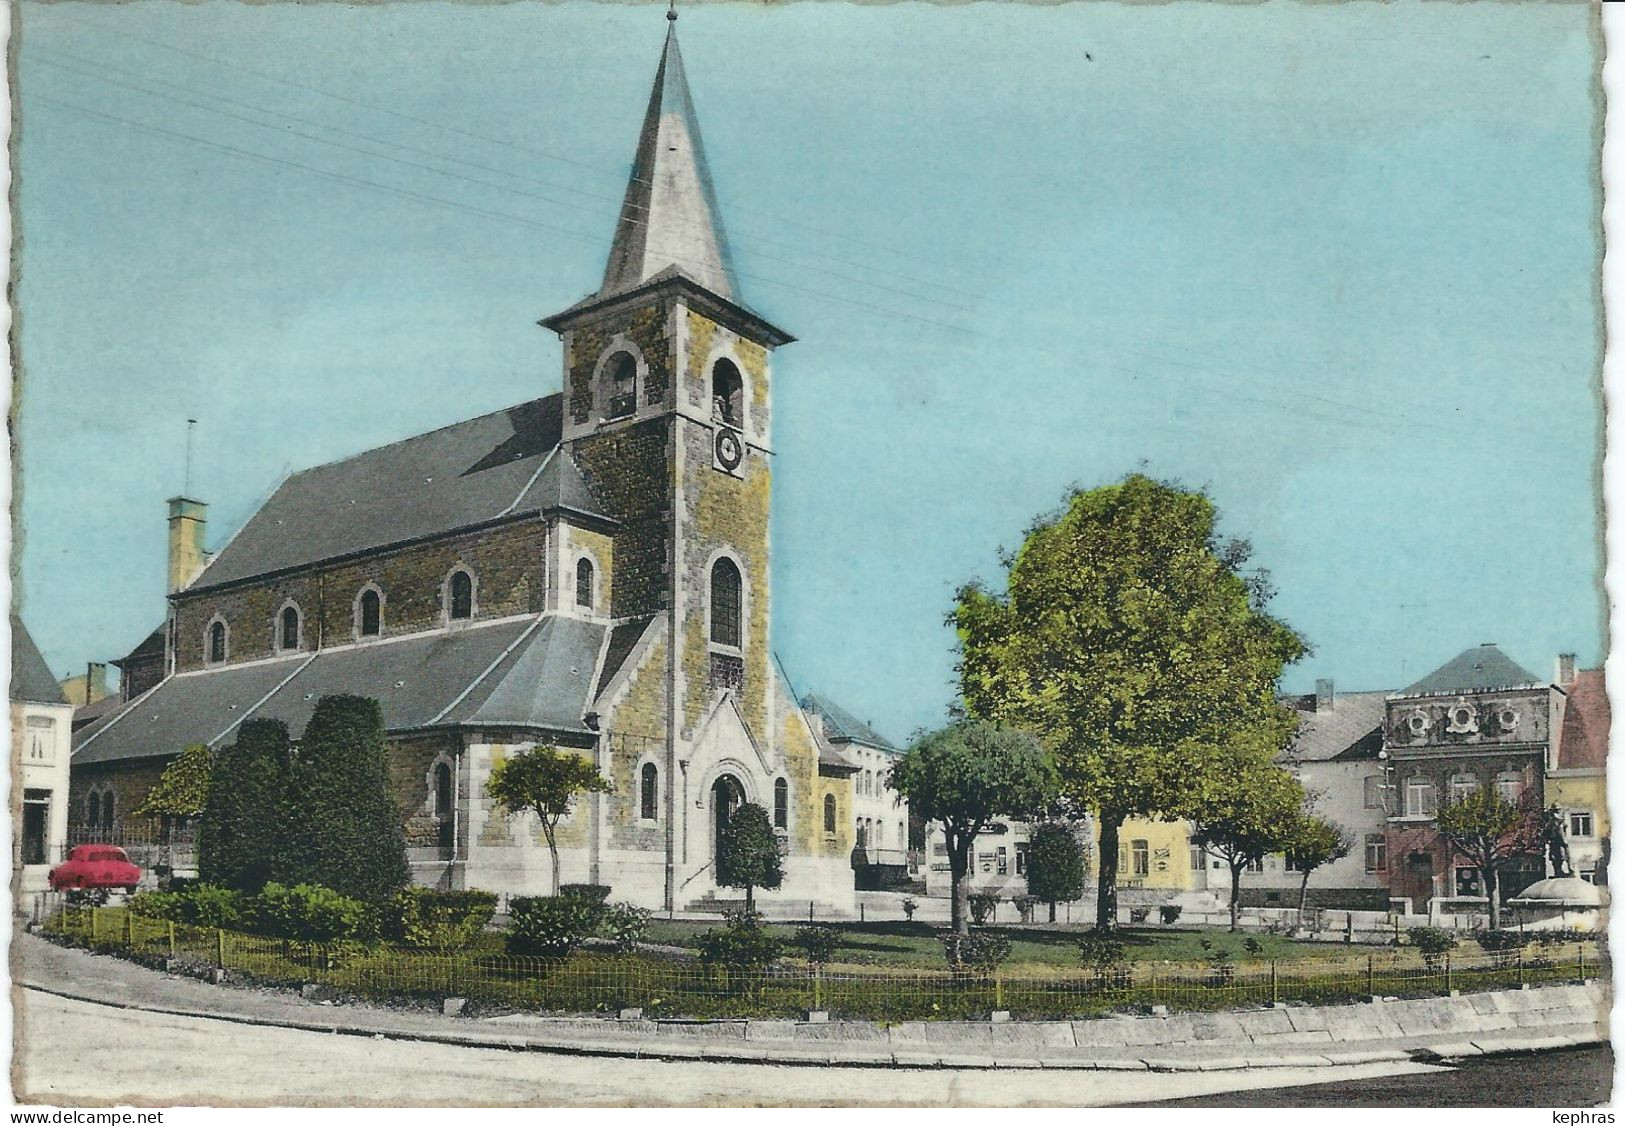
{"type": "Point", "coordinates": [1429, 1029]}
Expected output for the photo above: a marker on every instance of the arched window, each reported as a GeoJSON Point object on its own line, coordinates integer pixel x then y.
{"type": "Point", "coordinates": [584, 582]}
{"type": "Point", "coordinates": [107, 810]}
{"type": "Point", "coordinates": [460, 596]}
{"type": "Point", "coordinates": [725, 603]}
{"type": "Point", "coordinates": [829, 813]}
{"type": "Point", "coordinates": [93, 811]}
{"type": "Point", "coordinates": [1421, 799]}
{"type": "Point", "coordinates": [649, 784]}
{"type": "Point", "coordinates": [368, 614]}
{"type": "Point", "coordinates": [727, 393]}
{"type": "Point", "coordinates": [863, 836]}
{"type": "Point", "coordinates": [781, 804]}
{"type": "Point", "coordinates": [442, 792]}
{"type": "Point", "coordinates": [622, 372]}
{"type": "Point", "coordinates": [289, 632]}
{"type": "Point", "coordinates": [1462, 787]}
{"type": "Point", "coordinates": [217, 642]}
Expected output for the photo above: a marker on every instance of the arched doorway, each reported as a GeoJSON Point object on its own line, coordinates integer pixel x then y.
{"type": "Point", "coordinates": [726, 796]}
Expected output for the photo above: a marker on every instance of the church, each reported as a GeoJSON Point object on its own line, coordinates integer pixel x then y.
{"type": "Point", "coordinates": [588, 570]}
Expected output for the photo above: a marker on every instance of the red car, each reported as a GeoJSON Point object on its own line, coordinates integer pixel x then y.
{"type": "Point", "coordinates": [95, 866]}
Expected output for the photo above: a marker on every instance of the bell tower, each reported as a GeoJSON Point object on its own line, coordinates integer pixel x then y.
{"type": "Point", "coordinates": [668, 413]}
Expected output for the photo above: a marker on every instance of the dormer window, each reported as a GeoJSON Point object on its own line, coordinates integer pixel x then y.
{"type": "Point", "coordinates": [288, 628]}
{"type": "Point", "coordinates": [460, 596]}
{"type": "Point", "coordinates": [216, 642]}
{"type": "Point", "coordinates": [584, 583]}
{"type": "Point", "coordinates": [369, 613]}
{"type": "Point", "coordinates": [622, 373]}
{"type": "Point", "coordinates": [727, 394]}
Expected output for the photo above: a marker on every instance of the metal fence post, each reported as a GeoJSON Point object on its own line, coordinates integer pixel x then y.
{"type": "Point", "coordinates": [818, 988]}
{"type": "Point", "coordinates": [1371, 974]}
{"type": "Point", "coordinates": [129, 927]}
{"type": "Point", "coordinates": [998, 990]}
{"type": "Point", "coordinates": [172, 938]}
{"type": "Point", "coordinates": [1520, 965]}
{"type": "Point", "coordinates": [1580, 952]}
{"type": "Point", "coordinates": [1275, 985]}
{"type": "Point", "coordinates": [220, 948]}
{"type": "Point", "coordinates": [93, 921]}
{"type": "Point", "coordinates": [1448, 982]}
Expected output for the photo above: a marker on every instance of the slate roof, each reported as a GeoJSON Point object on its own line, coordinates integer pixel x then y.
{"type": "Point", "coordinates": [623, 639]}
{"type": "Point", "coordinates": [1483, 668]}
{"type": "Point", "coordinates": [530, 673]}
{"type": "Point", "coordinates": [31, 679]}
{"type": "Point", "coordinates": [501, 464]}
{"type": "Point", "coordinates": [1350, 730]}
{"type": "Point", "coordinates": [151, 646]}
{"type": "Point", "coordinates": [1584, 743]}
{"type": "Point", "coordinates": [841, 727]}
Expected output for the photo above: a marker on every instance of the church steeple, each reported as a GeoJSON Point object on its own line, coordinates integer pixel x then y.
{"type": "Point", "coordinates": [669, 219]}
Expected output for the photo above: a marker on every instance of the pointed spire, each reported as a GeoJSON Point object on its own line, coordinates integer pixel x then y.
{"type": "Point", "coordinates": [670, 217]}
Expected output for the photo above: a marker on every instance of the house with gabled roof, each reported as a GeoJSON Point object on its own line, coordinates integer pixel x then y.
{"type": "Point", "coordinates": [589, 570]}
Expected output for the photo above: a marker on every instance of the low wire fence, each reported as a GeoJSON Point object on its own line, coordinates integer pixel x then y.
{"type": "Point", "coordinates": [590, 981]}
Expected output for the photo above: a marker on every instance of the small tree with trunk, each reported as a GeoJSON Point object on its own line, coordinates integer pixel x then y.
{"type": "Point", "coordinates": [748, 853]}
{"type": "Point", "coordinates": [545, 781]}
{"type": "Point", "coordinates": [1055, 867]}
{"type": "Point", "coordinates": [180, 794]}
{"type": "Point", "coordinates": [1255, 816]}
{"type": "Point", "coordinates": [964, 776]}
{"type": "Point", "coordinates": [1315, 842]}
{"type": "Point", "coordinates": [242, 831]}
{"type": "Point", "coordinates": [1487, 831]}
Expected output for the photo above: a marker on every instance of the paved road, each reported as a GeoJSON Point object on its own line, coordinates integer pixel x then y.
{"type": "Point", "coordinates": [1574, 1078]}
{"type": "Point", "coordinates": [73, 1053]}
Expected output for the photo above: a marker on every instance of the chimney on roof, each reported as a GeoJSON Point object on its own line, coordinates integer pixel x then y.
{"type": "Point", "coordinates": [1325, 696]}
{"type": "Point", "coordinates": [187, 519]}
{"type": "Point", "coordinates": [1565, 668]}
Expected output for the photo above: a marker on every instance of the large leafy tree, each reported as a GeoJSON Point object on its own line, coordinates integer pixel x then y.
{"type": "Point", "coordinates": [1256, 814]}
{"type": "Point", "coordinates": [964, 776]}
{"type": "Point", "coordinates": [242, 831]}
{"type": "Point", "coordinates": [1135, 643]}
{"type": "Point", "coordinates": [544, 781]}
{"type": "Point", "coordinates": [1488, 831]}
{"type": "Point", "coordinates": [183, 787]}
{"type": "Point", "coordinates": [1055, 865]}
{"type": "Point", "coordinates": [748, 853]}
{"type": "Point", "coordinates": [1313, 843]}
{"type": "Point", "coordinates": [344, 830]}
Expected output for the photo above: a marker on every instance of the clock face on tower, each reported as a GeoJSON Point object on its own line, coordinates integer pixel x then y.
{"type": "Point", "coordinates": [730, 450]}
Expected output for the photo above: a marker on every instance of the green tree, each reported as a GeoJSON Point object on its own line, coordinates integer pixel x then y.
{"type": "Point", "coordinates": [242, 831]}
{"type": "Point", "coordinates": [344, 831]}
{"type": "Point", "coordinates": [183, 787]}
{"type": "Point", "coordinates": [1055, 867]}
{"type": "Point", "coordinates": [748, 853]}
{"type": "Point", "coordinates": [964, 776]}
{"type": "Point", "coordinates": [1133, 643]}
{"type": "Point", "coordinates": [544, 781]}
{"type": "Point", "coordinates": [1256, 815]}
{"type": "Point", "coordinates": [1313, 843]}
{"type": "Point", "coordinates": [1487, 831]}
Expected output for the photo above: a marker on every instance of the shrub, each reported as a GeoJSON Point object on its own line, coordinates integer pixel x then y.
{"type": "Point", "coordinates": [817, 943]}
{"type": "Point", "coordinates": [1099, 950]}
{"type": "Point", "coordinates": [1025, 904]}
{"type": "Point", "coordinates": [242, 831]}
{"type": "Point", "coordinates": [625, 925]}
{"type": "Point", "coordinates": [1252, 945]}
{"type": "Point", "coordinates": [158, 905]}
{"type": "Point", "coordinates": [1170, 914]}
{"type": "Point", "coordinates": [910, 905]}
{"type": "Point", "coordinates": [425, 919]}
{"type": "Point", "coordinates": [1433, 942]}
{"type": "Point", "coordinates": [311, 913]}
{"type": "Point", "coordinates": [982, 951]}
{"type": "Point", "coordinates": [550, 926]}
{"type": "Point", "coordinates": [597, 893]}
{"type": "Point", "coordinates": [982, 907]}
{"type": "Point", "coordinates": [743, 944]}
{"type": "Point", "coordinates": [198, 905]}
{"type": "Point", "coordinates": [1501, 941]}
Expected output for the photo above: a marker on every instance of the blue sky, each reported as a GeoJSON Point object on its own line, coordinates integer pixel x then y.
{"type": "Point", "coordinates": [1332, 262]}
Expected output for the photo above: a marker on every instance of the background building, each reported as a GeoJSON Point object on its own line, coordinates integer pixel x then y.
{"type": "Point", "coordinates": [40, 719]}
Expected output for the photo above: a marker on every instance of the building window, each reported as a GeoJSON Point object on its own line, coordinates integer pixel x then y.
{"type": "Point", "coordinates": [1421, 798]}
{"type": "Point", "coordinates": [1141, 851]}
{"type": "Point", "coordinates": [829, 813]}
{"type": "Point", "coordinates": [622, 372]}
{"type": "Point", "coordinates": [781, 804]}
{"type": "Point", "coordinates": [93, 811]}
{"type": "Point", "coordinates": [584, 582]}
{"type": "Point", "coordinates": [1467, 882]}
{"type": "Point", "coordinates": [1376, 852]}
{"type": "Point", "coordinates": [727, 394]}
{"type": "Point", "coordinates": [217, 642]}
{"type": "Point", "coordinates": [1255, 865]}
{"type": "Point", "coordinates": [863, 837]}
{"type": "Point", "coordinates": [726, 597]}
{"type": "Point", "coordinates": [1197, 857]}
{"type": "Point", "coordinates": [1002, 855]}
{"type": "Point", "coordinates": [42, 736]}
{"type": "Point", "coordinates": [108, 810]}
{"type": "Point", "coordinates": [460, 596]}
{"type": "Point", "coordinates": [1579, 822]}
{"type": "Point", "coordinates": [369, 613]}
{"type": "Point", "coordinates": [1021, 854]}
{"type": "Point", "coordinates": [1509, 785]}
{"type": "Point", "coordinates": [649, 792]}
{"type": "Point", "coordinates": [288, 633]}
{"type": "Point", "coordinates": [1462, 787]}
{"type": "Point", "coordinates": [1376, 792]}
